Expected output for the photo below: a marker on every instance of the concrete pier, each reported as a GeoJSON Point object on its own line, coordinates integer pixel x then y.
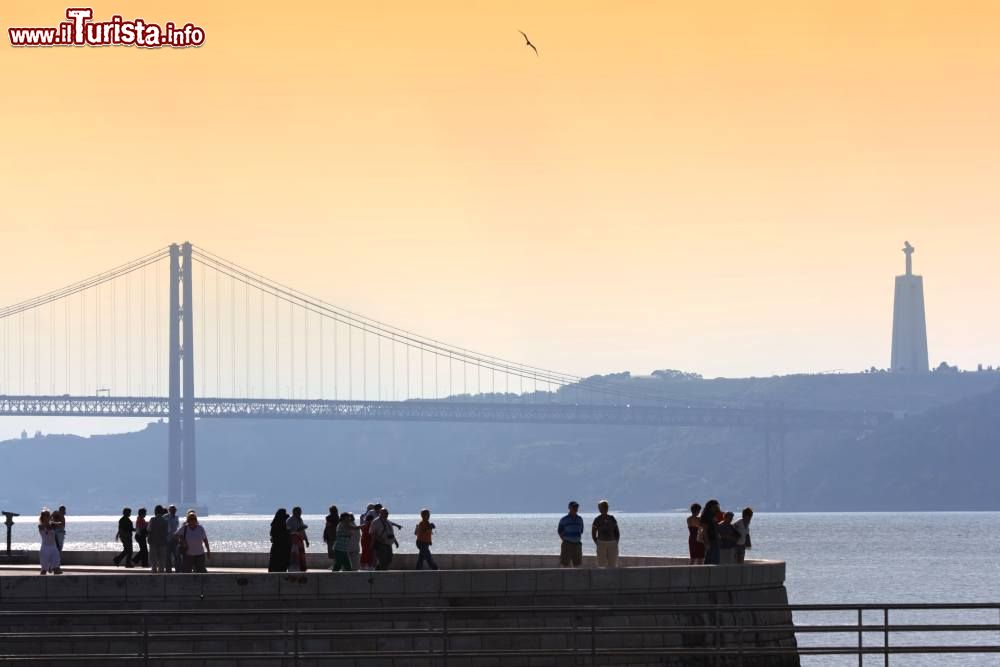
{"type": "Point", "coordinates": [519, 588]}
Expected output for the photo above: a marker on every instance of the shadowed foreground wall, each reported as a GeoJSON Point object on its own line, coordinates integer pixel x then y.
{"type": "Point", "coordinates": [525, 581]}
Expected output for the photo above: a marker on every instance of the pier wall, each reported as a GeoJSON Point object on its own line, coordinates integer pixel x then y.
{"type": "Point", "coordinates": [524, 585]}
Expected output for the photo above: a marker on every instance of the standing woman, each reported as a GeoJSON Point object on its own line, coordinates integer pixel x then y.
{"type": "Point", "coordinates": [281, 543]}
{"type": "Point", "coordinates": [696, 545]}
{"type": "Point", "coordinates": [354, 547]}
{"type": "Point", "coordinates": [141, 535]}
{"type": "Point", "coordinates": [300, 541]}
{"type": "Point", "coordinates": [367, 545]}
{"type": "Point", "coordinates": [48, 555]}
{"type": "Point", "coordinates": [710, 532]}
{"type": "Point", "coordinates": [193, 544]}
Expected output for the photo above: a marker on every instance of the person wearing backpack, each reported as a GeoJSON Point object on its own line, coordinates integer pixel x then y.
{"type": "Point", "coordinates": [606, 535]}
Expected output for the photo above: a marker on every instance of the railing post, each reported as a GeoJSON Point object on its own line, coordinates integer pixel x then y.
{"type": "Point", "coordinates": [284, 633]}
{"type": "Point", "coordinates": [739, 637]}
{"type": "Point", "coordinates": [861, 642]}
{"type": "Point", "coordinates": [295, 642]}
{"type": "Point", "coordinates": [718, 637]}
{"type": "Point", "coordinates": [885, 621]}
{"type": "Point", "coordinates": [444, 636]}
{"type": "Point", "coordinates": [145, 640]}
{"type": "Point", "coordinates": [593, 637]}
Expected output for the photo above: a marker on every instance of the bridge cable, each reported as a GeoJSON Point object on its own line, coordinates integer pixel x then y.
{"type": "Point", "coordinates": [351, 315]}
{"type": "Point", "coordinates": [365, 327]}
{"type": "Point", "coordinates": [555, 379]}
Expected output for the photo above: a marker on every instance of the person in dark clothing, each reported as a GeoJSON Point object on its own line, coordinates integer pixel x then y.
{"type": "Point", "coordinates": [281, 543]}
{"type": "Point", "coordinates": [710, 532]}
{"type": "Point", "coordinates": [141, 534]}
{"type": "Point", "coordinates": [330, 530]}
{"type": "Point", "coordinates": [384, 538]}
{"type": "Point", "coordinates": [606, 535]}
{"type": "Point", "coordinates": [125, 530]}
{"type": "Point", "coordinates": [728, 537]}
{"type": "Point", "coordinates": [158, 539]}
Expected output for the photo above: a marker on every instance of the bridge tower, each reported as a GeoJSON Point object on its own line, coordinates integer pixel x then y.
{"type": "Point", "coordinates": [181, 472]}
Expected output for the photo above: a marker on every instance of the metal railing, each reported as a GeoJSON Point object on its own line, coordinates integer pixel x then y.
{"type": "Point", "coordinates": [715, 633]}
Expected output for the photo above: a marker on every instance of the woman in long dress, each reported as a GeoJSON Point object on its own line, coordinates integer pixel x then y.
{"type": "Point", "coordinates": [281, 543]}
{"type": "Point", "coordinates": [48, 554]}
{"type": "Point", "coordinates": [300, 541]}
{"type": "Point", "coordinates": [710, 532]}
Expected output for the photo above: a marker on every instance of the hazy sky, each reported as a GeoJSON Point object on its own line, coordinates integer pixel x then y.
{"type": "Point", "coordinates": [715, 187]}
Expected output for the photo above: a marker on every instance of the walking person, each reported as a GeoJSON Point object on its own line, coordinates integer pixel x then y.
{"type": "Point", "coordinates": [124, 534]}
{"type": "Point", "coordinates": [383, 539]}
{"type": "Point", "coordinates": [606, 536]}
{"type": "Point", "coordinates": [192, 542]}
{"type": "Point", "coordinates": [742, 526]}
{"type": "Point", "coordinates": [173, 548]}
{"type": "Point", "coordinates": [570, 531]}
{"type": "Point", "coordinates": [424, 532]}
{"type": "Point", "coordinates": [300, 541]}
{"type": "Point", "coordinates": [141, 534]}
{"type": "Point", "coordinates": [281, 543]}
{"type": "Point", "coordinates": [710, 532]}
{"type": "Point", "coordinates": [330, 525]}
{"type": "Point", "coordinates": [342, 542]}
{"type": "Point", "coordinates": [48, 553]}
{"type": "Point", "coordinates": [696, 543]}
{"type": "Point", "coordinates": [158, 538]}
{"type": "Point", "coordinates": [58, 523]}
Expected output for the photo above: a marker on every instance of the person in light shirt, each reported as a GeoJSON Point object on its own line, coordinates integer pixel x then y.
{"type": "Point", "coordinates": [192, 543]}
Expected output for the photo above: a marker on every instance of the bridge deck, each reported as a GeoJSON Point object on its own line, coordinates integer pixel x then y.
{"type": "Point", "coordinates": [445, 411]}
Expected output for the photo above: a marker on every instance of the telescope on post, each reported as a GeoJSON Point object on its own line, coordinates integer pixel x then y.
{"type": "Point", "coordinates": [11, 556]}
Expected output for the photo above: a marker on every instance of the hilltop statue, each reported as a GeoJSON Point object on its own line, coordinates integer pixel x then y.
{"type": "Point", "coordinates": [909, 324]}
{"type": "Point", "coordinates": [909, 250]}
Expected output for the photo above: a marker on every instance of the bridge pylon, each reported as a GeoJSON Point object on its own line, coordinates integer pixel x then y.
{"type": "Point", "coordinates": [181, 470]}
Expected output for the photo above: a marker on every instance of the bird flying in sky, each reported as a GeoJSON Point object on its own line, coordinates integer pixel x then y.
{"type": "Point", "coordinates": [528, 42]}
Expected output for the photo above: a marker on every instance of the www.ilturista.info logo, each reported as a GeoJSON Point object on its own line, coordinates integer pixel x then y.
{"type": "Point", "coordinates": [81, 30]}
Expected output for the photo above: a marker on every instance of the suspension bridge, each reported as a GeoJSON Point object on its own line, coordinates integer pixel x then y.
{"type": "Point", "coordinates": [183, 334]}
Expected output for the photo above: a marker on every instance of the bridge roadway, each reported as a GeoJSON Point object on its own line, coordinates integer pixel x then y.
{"type": "Point", "coordinates": [447, 411]}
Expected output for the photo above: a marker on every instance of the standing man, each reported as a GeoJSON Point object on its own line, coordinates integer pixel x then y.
{"type": "Point", "coordinates": [605, 534]}
{"type": "Point", "coordinates": [742, 527]}
{"type": "Point", "coordinates": [58, 523]}
{"type": "Point", "coordinates": [157, 531]}
{"type": "Point", "coordinates": [125, 530]}
{"type": "Point", "coordinates": [571, 532]}
{"type": "Point", "coordinates": [384, 538]}
{"type": "Point", "coordinates": [173, 555]}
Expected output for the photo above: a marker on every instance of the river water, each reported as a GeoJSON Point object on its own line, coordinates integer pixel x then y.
{"type": "Point", "coordinates": [831, 557]}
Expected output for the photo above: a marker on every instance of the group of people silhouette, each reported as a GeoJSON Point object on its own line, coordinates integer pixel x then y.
{"type": "Point", "coordinates": [714, 538]}
{"type": "Point", "coordinates": [351, 545]}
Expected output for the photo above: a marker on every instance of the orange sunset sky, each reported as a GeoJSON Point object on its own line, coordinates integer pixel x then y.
{"type": "Point", "coordinates": [715, 187]}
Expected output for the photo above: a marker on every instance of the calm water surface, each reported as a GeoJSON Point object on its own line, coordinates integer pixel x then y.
{"type": "Point", "coordinates": [832, 558]}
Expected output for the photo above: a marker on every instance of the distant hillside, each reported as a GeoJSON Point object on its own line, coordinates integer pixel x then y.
{"type": "Point", "coordinates": [942, 458]}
